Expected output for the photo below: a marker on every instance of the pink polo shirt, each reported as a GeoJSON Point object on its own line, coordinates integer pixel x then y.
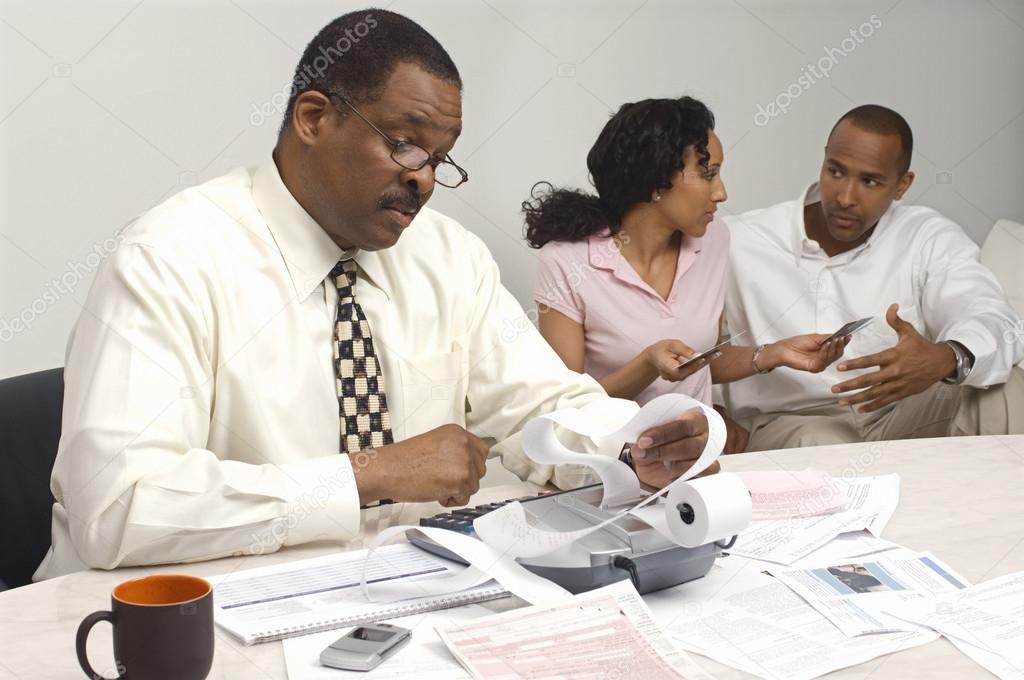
{"type": "Point", "coordinates": [591, 283]}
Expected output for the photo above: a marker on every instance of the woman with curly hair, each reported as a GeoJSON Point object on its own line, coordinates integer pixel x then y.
{"type": "Point", "coordinates": [632, 279]}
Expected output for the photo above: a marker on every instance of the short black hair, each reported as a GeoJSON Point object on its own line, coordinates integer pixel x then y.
{"type": "Point", "coordinates": [882, 121]}
{"type": "Point", "coordinates": [636, 154]}
{"type": "Point", "coordinates": [357, 52]}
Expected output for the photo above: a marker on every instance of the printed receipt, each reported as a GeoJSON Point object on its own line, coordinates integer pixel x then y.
{"type": "Point", "coordinates": [507, 528]}
{"type": "Point", "coordinates": [605, 633]}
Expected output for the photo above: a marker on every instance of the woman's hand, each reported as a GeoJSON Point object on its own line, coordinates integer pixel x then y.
{"type": "Point", "coordinates": [808, 352]}
{"type": "Point", "coordinates": [666, 355]}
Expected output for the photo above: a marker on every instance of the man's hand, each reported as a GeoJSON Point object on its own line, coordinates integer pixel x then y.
{"type": "Point", "coordinates": [665, 452]}
{"type": "Point", "coordinates": [736, 436]}
{"type": "Point", "coordinates": [909, 367]}
{"type": "Point", "coordinates": [444, 465]}
{"type": "Point", "coordinates": [666, 355]}
{"type": "Point", "coordinates": [809, 352]}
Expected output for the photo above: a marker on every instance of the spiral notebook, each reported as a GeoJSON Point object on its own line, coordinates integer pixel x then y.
{"type": "Point", "coordinates": [323, 593]}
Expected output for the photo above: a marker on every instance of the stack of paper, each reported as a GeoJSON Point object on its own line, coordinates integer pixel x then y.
{"type": "Point", "coordinates": [783, 494]}
{"type": "Point", "coordinates": [763, 628]}
{"type": "Point", "coordinates": [871, 502]}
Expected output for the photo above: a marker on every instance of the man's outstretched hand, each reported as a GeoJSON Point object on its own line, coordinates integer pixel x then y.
{"type": "Point", "coordinates": [909, 367]}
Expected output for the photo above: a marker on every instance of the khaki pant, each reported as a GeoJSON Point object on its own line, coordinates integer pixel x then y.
{"type": "Point", "coordinates": [942, 410]}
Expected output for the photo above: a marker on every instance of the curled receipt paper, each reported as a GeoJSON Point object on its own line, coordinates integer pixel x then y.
{"type": "Point", "coordinates": [508, 530]}
{"type": "Point", "coordinates": [718, 506]}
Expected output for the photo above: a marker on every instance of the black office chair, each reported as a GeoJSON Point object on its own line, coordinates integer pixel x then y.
{"type": "Point", "coordinates": [30, 408]}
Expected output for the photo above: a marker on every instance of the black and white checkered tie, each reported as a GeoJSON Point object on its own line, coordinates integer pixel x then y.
{"type": "Point", "coordinates": [362, 405]}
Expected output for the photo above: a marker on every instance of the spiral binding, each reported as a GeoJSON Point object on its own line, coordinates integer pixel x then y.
{"type": "Point", "coordinates": [422, 607]}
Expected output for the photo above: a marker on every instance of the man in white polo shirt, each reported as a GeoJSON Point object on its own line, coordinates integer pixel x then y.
{"type": "Point", "coordinates": [848, 249]}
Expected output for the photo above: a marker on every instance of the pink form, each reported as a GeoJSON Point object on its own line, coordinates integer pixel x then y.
{"type": "Point", "coordinates": [592, 636]}
{"type": "Point", "coordinates": [784, 494]}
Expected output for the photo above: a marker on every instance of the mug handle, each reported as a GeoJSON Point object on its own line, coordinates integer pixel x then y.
{"type": "Point", "coordinates": [83, 634]}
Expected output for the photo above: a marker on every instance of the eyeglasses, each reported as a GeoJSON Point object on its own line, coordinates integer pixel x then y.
{"type": "Point", "coordinates": [413, 157]}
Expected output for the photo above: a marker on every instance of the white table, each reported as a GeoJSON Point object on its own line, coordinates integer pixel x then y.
{"type": "Point", "coordinates": [963, 499]}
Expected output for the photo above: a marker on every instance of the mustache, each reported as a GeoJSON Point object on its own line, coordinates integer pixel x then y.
{"type": "Point", "coordinates": [400, 200]}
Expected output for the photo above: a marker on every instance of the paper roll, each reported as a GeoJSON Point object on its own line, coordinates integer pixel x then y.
{"type": "Point", "coordinates": [720, 506]}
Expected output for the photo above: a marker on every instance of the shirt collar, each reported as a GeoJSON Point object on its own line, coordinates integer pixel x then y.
{"type": "Point", "coordinates": [308, 252]}
{"type": "Point", "coordinates": [603, 253]}
{"type": "Point", "coordinates": [801, 242]}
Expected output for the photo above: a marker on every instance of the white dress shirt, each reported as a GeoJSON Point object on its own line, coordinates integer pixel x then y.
{"type": "Point", "coordinates": [200, 412]}
{"type": "Point", "coordinates": [781, 283]}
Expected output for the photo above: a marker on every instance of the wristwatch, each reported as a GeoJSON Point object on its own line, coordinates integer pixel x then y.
{"type": "Point", "coordinates": [964, 363]}
{"type": "Point", "coordinates": [626, 456]}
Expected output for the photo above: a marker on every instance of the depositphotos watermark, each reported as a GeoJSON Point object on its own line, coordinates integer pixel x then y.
{"type": "Point", "coordinates": [328, 487]}
{"type": "Point", "coordinates": [278, 103]}
{"type": "Point", "coordinates": [812, 73]}
{"type": "Point", "coordinates": [57, 288]}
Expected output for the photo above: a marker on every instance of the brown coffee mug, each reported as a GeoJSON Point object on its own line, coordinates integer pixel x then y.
{"type": "Point", "coordinates": [163, 629]}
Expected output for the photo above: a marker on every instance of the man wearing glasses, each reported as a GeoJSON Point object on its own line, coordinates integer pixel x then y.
{"type": "Point", "coordinates": [272, 349]}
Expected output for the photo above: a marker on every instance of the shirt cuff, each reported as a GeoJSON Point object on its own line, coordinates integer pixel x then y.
{"type": "Point", "coordinates": [323, 501]}
{"type": "Point", "coordinates": [978, 343]}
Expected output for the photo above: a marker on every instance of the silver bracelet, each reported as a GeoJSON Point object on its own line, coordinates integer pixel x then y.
{"type": "Point", "coordinates": [753, 361]}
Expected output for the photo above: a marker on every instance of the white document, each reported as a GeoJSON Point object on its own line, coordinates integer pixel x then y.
{"type": "Point", "coordinates": [605, 633]}
{"type": "Point", "coordinates": [424, 658]}
{"type": "Point", "coordinates": [786, 541]}
{"type": "Point", "coordinates": [986, 622]}
{"type": "Point", "coordinates": [872, 501]}
{"type": "Point", "coordinates": [759, 626]}
{"type": "Point", "coordinates": [877, 497]}
{"type": "Point", "coordinates": [848, 545]}
{"type": "Point", "coordinates": [855, 595]}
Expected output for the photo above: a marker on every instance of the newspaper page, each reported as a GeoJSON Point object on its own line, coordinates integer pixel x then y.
{"type": "Point", "coordinates": [854, 595]}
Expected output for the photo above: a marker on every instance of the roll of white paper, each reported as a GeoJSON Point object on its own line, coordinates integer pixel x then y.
{"type": "Point", "coordinates": [720, 505]}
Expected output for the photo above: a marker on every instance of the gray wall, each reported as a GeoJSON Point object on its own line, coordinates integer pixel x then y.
{"type": "Point", "coordinates": [108, 107]}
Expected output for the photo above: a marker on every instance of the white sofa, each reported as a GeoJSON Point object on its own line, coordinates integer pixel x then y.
{"type": "Point", "coordinates": [1003, 253]}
